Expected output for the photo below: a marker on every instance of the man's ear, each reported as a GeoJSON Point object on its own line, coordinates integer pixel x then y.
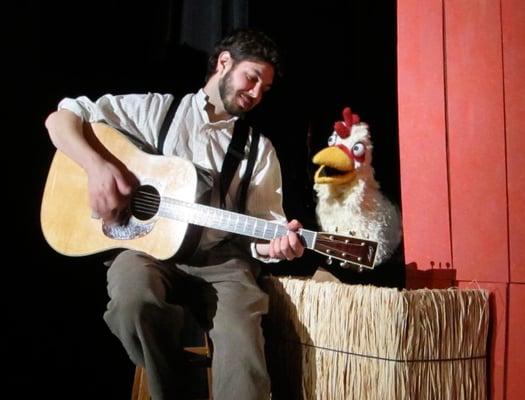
{"type": "Point", "coordinates": [224, 61]}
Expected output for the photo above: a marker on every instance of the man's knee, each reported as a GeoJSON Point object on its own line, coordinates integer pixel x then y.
{"type": "Point", "coordinates": [130, 257]}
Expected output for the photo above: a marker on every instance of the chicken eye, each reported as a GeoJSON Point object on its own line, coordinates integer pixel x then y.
{"type": "Point", "coordinates": [358, 150]}
{"type": "Point", "coordinates": [332, 139]}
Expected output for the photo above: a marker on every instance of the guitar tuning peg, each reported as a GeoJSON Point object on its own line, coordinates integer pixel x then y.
{"type": "Point", "coordinates": [329, 261]}
{"type": "Point", "coordinates": [343, 264]}
{"type": "Point", "coordinates": [360, 268]}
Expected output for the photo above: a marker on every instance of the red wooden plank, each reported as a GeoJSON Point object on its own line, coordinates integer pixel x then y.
{"type": "Point", "coordinates": [515, 343]}
{"type": "Point", "coordinates": [422, 139]}
{"type": "Point", "coordinates": [513, 19]}
{"type": "Point", "coordinates": [498, 330]}
{"type": "Point", "coordinates": [476, 140]}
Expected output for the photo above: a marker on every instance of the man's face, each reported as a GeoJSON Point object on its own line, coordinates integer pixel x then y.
{"type": "Point", "coordinates": [242, 86]}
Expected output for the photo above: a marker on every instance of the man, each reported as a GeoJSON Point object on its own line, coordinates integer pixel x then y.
{"type": "Point", "coordinates": [217, 284]}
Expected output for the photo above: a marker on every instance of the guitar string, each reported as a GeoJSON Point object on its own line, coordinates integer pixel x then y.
{"type": "Point", "coordinates": [148, 202]}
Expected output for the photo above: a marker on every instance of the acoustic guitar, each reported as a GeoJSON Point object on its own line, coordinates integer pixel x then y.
{"type": "Point", "coordinates": [163, 209]}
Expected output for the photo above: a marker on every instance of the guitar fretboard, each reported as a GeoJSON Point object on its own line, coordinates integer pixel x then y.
{"type": "Point", "coordinates": [228, 221]}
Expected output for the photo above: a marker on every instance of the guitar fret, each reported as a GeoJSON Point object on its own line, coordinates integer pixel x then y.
{"type": "Point", "coordinates": [260, 229]}
{"type": "Point", "coordinates": [208, 216]}
{"type": "Point", "coordinates": [265, 231]}
{"type": "Point", "coordinates": [224, 221]}
{"type": "Point", "coordinates": [237, 223]}
{"type": "Point", "coordinates": [196, 216]}
{"type": "Point", "coordinates": [231, 223]}
{"type": "Point", "coordinates": [244, 230]}
{"type": "Point", "coordinates": [217, 217]}
{"type": "Point", "coordinates": [268, 230]}
{"type": "Point", "coordinates": [281, 231]}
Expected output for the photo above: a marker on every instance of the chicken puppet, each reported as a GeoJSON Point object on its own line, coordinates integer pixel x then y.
{"type": "Point", "coordinates": [349, 200]}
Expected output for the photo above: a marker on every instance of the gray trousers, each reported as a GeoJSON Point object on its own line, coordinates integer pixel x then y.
{"type": "Point", "coordinates": [148, 299]}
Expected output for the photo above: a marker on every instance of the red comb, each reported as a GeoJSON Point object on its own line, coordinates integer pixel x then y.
{"type": "Point", "coordinates": [341, 129]}
{"type": "Point", "coordinates": [344, 129]}
{"type": "Point", "coordinates": [350, 118]}
{"type": "Point", "coordinates": [347, 115]}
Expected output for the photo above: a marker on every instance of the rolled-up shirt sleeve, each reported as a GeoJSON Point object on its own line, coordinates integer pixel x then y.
{"type": "Point", "coordinates": [127, 112]}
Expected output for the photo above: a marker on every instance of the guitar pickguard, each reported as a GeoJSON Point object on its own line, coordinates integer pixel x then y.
{"type": "Point", "coordinates": [132, 230]}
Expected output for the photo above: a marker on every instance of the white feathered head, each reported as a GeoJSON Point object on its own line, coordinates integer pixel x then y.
{"type": "Point", "coordinates": [348, 157]}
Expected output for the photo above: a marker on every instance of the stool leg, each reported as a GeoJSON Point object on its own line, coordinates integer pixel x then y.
{"type": "Point", "coordinates": [140, 389]}
{"type": "Point", "coordinates": [208, 370]}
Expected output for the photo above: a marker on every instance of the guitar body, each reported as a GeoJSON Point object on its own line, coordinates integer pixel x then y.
{"type": "Point", "coordinates": [66, 217]}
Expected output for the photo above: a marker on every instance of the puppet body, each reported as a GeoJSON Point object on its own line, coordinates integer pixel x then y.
{"type": "Point", "coordinates": [349, 199]}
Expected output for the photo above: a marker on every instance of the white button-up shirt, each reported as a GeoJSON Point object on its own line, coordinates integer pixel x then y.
{"type": "Point", "coordinates": [192, 136]}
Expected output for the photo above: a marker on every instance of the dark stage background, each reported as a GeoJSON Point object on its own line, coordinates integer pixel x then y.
{"type": "Point", "coordinates": [337, 54]}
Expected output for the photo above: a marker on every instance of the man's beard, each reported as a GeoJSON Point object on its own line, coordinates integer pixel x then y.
{"type": "Point", "coordinates": [227, 93]}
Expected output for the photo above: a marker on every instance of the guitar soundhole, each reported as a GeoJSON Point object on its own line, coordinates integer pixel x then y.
{"type": "Point", "coordinates": [145, 203]}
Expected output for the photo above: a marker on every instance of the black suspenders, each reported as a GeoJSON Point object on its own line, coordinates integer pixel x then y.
{"type": "Point", "coordinates": [246, 178]}
{"type": "Point", "coordinates": [167, 122]}
{"type": "Point", "coordinates": [233, 157]}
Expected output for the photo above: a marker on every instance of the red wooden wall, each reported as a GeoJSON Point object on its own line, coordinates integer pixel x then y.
{"type": "Point", "coordinates": [461, 95]}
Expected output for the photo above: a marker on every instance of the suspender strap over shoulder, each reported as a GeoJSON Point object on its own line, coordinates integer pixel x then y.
{"type": "Point", "coordinates": [233, 157]}
{"type": "Point", "coordinates": [168, 119]}
{"type": "Point", "coordinates": [245, 183]}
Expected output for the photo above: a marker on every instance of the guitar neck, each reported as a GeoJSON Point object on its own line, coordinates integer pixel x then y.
{"type": "Point", "coordinates": [229, 221]}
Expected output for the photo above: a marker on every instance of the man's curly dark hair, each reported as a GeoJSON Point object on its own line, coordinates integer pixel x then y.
{"type": "Point", "coordinates": [246, 44]}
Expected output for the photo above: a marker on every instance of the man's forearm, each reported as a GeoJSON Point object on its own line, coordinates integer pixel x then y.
{"type": "Point", "coordinates": [66, 132]}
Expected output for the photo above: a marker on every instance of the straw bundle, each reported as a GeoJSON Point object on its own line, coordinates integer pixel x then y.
{"type": "Point", "coordinates": [328, 340]}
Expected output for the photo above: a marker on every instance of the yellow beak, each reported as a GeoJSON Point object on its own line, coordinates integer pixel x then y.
{"type": "Point", "coordinates": [336, 167]}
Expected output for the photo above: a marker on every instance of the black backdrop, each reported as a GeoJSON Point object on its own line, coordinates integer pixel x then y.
{"type": "Point", "coordinates": [337, 53]}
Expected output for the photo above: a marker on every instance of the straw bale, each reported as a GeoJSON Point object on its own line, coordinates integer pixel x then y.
{"type": "Point", "coordinates": [329, 340]}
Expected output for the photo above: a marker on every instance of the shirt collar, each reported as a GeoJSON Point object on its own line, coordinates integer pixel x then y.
{"type": "Point", "coordinates": [202, 101]}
